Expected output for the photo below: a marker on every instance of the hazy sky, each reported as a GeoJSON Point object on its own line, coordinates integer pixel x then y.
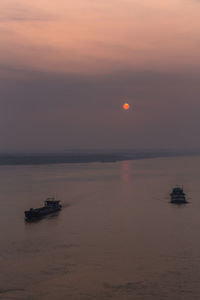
{"type": "Point", "coordinates": [66, 67]}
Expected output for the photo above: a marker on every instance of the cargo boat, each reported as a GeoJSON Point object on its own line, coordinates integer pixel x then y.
{"type": "Point", "coordinates": [50, 206]}
{"type": "Point", "coordinates": [178, 196]}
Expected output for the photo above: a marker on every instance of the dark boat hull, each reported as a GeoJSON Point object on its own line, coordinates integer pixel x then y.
{"type": "Point", "coordinates": [178, 200]}
{"type": "Point", "coordinates": [39, 213]}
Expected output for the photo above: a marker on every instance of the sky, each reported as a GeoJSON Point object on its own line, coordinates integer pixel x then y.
{"type": "Point", "coordinates": [67, 67]}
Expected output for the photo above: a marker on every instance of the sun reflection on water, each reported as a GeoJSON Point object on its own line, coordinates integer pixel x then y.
{"type": "Point", "coordinates": [125, 171]}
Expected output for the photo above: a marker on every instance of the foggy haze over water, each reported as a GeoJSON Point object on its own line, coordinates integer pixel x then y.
{"type": "Point", "coordinates": [117, 236]}
{"type": "Point", "coordinates": [57, 112]}
{"type": "Point", "coordinates": [66, 70]}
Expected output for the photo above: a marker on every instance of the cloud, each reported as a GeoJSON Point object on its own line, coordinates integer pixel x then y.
{"type": "Point", "coordinates": [92, 36]}
{"type": "Point", "coordinates": [17, 12]}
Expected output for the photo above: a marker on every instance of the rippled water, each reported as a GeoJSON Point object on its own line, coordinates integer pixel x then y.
{"type": "Point", "coordinates": [117, 236]}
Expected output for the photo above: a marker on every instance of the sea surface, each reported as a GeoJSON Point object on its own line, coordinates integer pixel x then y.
{"type": "Point", "coordinates": [116, 238]}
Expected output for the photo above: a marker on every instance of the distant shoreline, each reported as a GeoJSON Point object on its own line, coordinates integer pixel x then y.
{"type": "Point", "coordinates": [47, 159]}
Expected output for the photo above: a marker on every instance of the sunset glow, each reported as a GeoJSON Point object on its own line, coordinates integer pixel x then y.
{"type": "Point", "coordinates": [71, 37]}
{"type": "Point", "coordinates": [126, 106]}
{"type": "Point", "coordinates": [90, 73]}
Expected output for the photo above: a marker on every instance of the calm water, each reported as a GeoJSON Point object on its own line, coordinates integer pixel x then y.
{"type": "Point", "coordinates": [117, 236]}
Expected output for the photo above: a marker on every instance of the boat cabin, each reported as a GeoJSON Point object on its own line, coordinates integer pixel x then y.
{"type": "Point", "coordinates": [51, 202]}
{"type": "Point", "coordinates": [177, 191]}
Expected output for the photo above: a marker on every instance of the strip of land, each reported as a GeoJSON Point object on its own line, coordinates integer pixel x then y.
{"type": "Point", "coordinates": [83, 157]}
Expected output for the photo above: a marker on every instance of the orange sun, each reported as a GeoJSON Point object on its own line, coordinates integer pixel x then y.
{"type": "Point", "coordinates": [126, 106]}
